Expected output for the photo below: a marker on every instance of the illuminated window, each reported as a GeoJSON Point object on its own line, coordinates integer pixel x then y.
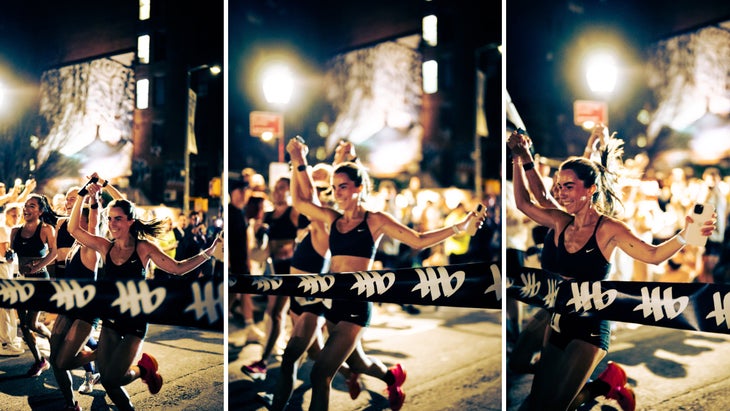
{"type": "Point", "coordinates": [430, 76]}
{"type": "Point", "coordinates": [144, 9]}
{"type": "Point", "coordinates": [429, 27]}
{"type": "Point", "coordinates": [143, 49]}
{"type": "Point", "coordinates": [143, 93]}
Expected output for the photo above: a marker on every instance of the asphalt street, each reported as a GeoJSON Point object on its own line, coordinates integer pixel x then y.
{"type": "Point", "coordinates": [668, 370]}
{"type": "Point", "coordinates": [190, 362]}
{"type": "Point", "coordinates": [453, 357]}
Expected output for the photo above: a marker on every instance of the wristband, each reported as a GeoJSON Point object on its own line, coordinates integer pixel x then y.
{"type": "Point", "coordinates": [681, 239]}
{"type": "Point", "coordinates": [205, 255]}
{"type": "Point", "coordinates": [456, 229]}
{"type": "Point", "coordinates": [528, 166]}
{"type": "Point", "coordinates": [106, 183]}
{"type": "Point", "coordinates": [94, 206]}
{"type": "Point", "coordinates": [301, 167]}
{"type": "Point", "coordinates": [83, 192]}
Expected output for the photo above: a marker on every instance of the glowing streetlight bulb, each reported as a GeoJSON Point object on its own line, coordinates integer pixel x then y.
{"type": "Point", "coordinates": [278, 84]}
{"type": "Point", "coordinates": [601, 73]}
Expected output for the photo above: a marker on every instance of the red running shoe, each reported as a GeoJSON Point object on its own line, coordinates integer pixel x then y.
{"type": "Point", "coordinates": [353, 385]}
{"type": "Point", "coordinates": [614, 375]}
{"type": "Point", "coordinates": [396, 395]}
{"type": "Point", "coordinates": [625, 397]}
{"type": "Point", "coordinates": [152, 378]}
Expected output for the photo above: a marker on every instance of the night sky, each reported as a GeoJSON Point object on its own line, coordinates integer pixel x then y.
{"type": "Point", "coordinates": [543, 75]}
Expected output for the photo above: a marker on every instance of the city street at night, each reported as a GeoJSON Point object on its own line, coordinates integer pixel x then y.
{"type": "Point", "coordinates": [453, 357]}
{"type": "Point", "coordinates": [190, 362]}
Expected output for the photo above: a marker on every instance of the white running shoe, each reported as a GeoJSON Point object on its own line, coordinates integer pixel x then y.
{"type": "Point", "coordinates": [87, 387]}
{"type": "Point", "coordinates": [9, 350]}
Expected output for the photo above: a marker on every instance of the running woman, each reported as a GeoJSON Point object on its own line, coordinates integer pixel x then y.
{"type": "Point", "coordinates": [354, 236]}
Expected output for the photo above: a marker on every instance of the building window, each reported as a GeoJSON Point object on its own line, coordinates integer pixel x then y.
{"type": "Point", "coordinates": [143, 49]}
{"type": "Point", "coordinates": [159, 47]}
{"type": "Point", "coordinates": [429, 28]}
{"type": "Point", "coordinates": [430, 77]}
{"type": "Point", "coordinates": [159, 92]}
{"type": "Point", "coordinates": [143, 94]}
{"type": "Point", "coordinates": [144, 9]}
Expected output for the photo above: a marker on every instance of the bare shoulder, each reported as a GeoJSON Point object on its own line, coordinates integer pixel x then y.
{"type": "Point", "coordinates": [48, 229]}
{"type": "Point", "coordinates": [613, 228]}
{"type": "Point", "coordinates": [380, 217]}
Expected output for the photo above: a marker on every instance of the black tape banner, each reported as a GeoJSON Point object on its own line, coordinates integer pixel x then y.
{"type": "Point", "coordinates": [686, 306]}
{"type": "Point", "coordinates": [197, 303]}
{"type": "Point", "coordinates": [476, 285]}
{"type": "Point", "coordinates": [533, 286]}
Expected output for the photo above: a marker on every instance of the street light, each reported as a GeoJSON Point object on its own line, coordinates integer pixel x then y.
{"type": "Point", "coordinates": [601, 73]}
{"type": "Point", "coordinates": [278, 85]}
{"type": "Point", "coordinates": [189, 130]}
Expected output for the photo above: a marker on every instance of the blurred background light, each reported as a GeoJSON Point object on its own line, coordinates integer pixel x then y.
{"type": "Point", "coordinates": [601, 72]}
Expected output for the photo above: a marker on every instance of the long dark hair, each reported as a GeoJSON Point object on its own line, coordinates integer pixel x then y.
{"type": "Point", "coordinates": [139, 228]}
{"type": "Point", "coordinates": [47, 216]}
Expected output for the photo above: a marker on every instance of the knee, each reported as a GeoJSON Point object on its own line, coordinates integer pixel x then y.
{"type": "Point", "coordinates": [291, 355]}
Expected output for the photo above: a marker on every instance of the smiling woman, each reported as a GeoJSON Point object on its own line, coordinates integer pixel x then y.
{"type": "Point", "coordinates": [585, 235]}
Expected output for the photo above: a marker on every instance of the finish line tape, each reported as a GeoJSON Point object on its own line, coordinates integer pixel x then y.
{"type": "Point", "coordinates": [685, 306]}
{"type": "Point", "coordinates": [476, 285]}
{"type": "Point", "coordinates": [186, 303]}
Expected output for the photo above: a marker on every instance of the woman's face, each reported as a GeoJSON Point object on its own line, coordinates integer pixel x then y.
{"type": "Point", "coordinates": [281, 192]}
{"type": "Point", "coordinates": [346, 193]}
{"type": "Point", "coordinates": [118, 223]}
{"type": "Point", "coordinates": [11, 217]}
{"type": "Point", "coordinates": [571, 193]}
{"type": "Point", "coordinates": [32, 209]}
{"type": "Point", "coordinates": [71, 199]}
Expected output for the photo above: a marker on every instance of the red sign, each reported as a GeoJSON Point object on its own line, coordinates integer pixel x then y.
{"type": "Point", "coordinates": [590, 110]}
{"type": "Point", "coordinates": [266, 122]}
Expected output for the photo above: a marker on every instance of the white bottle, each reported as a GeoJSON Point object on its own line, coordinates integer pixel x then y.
{"type": "Point", "coordinates": [471, 225]}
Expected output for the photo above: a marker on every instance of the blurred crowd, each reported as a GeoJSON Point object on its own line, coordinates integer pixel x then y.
{"type": "Point", "coordinates": [420, 208]}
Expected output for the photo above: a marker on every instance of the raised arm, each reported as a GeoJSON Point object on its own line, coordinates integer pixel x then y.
{"type": "Point", "coordinates": [520, 145]}
{"type": "Point", "coordinates": [95, 242]}
{"type": "Point", "coordinates": [547, 217]}
{"type": "Point", "coordinates": [30, 185]}
{"type": "Point", "coordinates": [306, 205]}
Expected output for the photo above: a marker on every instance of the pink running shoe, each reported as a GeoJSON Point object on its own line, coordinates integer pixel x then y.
{"type": "Point", "coordinates": [38, 367]}
{"type": "Point", "coordinates": [256, 371]}
{"type": "Point", "coordinates": [396, 395]}
{"type": "Point", "coordinates": [353, 385]}
{"type": "Point", "coordinates": [152, 378]}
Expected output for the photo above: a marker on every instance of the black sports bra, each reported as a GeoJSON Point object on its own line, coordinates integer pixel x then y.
{"type": "Point", "coordinates": [357, 242]}
{"type": "Point", "coordinates": [63, 237]}
{"type": "Point", "coordinates": [586, 264]}
{"type": "Point", "coordinates": [32, 247]}
{"type": "Point", "coordinates": [133, 268]}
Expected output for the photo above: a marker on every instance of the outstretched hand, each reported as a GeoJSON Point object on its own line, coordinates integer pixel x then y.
{"type": "Point", "coordinates": [708, 227]}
